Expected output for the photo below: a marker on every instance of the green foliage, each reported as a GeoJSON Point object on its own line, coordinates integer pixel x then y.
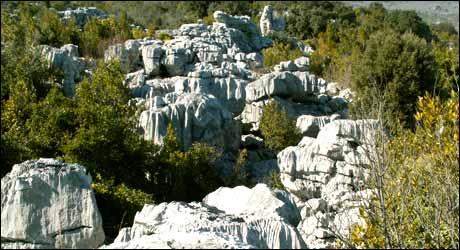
{"type": "Point", "coordinates": [275, 181]}
{"type": "Point", "coordinates": [51, 124]}
{"type": "Point", "coordinates": [105, 141]}
{"type": "Point", "coordinates": [280, 52]}
{"type": "Point", "coordinates": [239, 175]}
{"type": "Point", "coordinates": [118, 204]}
{"type": "Point", "coordinates": [278, 130]}
{"type": "Point", "coordinates": [182, 175]}
{"type": "Point", "coordinates": [419, 204]}
{"type": "Point", "coordinates": [308, 19]}
{"type": "Point", "coordinates": [402, 65]}
{"type": "Point", "coordinates": [164, 36]}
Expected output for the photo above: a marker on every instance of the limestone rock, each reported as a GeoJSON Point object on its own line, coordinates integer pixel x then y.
{"type": "Point", "coordinates": [327, 174]}
{"type": "Point", "coordinates": [251, 141]}
{"type": "Point", "coordinates": [243, 23]}
{"type": "Point", "coordinates": [269, 23]}
{"type": "Point", "coordinates": [298, 85]}
{"type": "Point", "coordinates": [82, 15]}
{"type": "Point", "coordinates": [182, 240]}
{"type": "Point", "coordinates": [259, 201]}
{"type": "Point", "coordinates": [151, 56]}
{"type": "Point", "coordinates": [64, 59]}
{"type": "Point", "coordinates": [310, 125]}
{"type": "Point", "coordinates": [47, 203]}
{"type": "Point", "coordinates": [195, 118]}
{"type": "Point", "coordinates": [182, 224]}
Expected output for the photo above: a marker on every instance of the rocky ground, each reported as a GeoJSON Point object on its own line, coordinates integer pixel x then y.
{"type": "Point", "coordinates": [205, 83]}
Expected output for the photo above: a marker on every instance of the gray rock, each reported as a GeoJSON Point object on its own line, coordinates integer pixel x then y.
{"type": "Point", "coordinates": [82, 15]}
{"type": "Point", "coordinates": [310, 125]}
{"type": "Point", "coordinates": [269, 23]}
{"type": "Point", "coordinates": [243, 23]}
{"type": "Point", "coordinates": [195, 118]}
{"type": "Point", "coordinates": [182, 224]}
{"type": "Point", "coordinates": [327, 174]}
{"type": "Point", "coordinates": [260, 201]}
{"type": "Point", "coordinates": [182, 240]}
{"type": "Point", "coordinates": [298, 85]}
{"type": "Point", "coordinates": [47, 203]}
{"type": "Point", "coordinates": [73, 67]}
{"type": "Point", "coordinates": [151, 56]}
{"type": "Point", "coordinates": [251, 141]}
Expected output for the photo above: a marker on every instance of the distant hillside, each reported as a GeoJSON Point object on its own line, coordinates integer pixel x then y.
{"type": "Point", "coordinates": [430, 11]}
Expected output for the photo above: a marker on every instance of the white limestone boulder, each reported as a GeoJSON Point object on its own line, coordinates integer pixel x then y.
{"type": "Point", "coordinates": [185, 224]}
{"type": "Point", "coordinates": [47, 203]}
{"type": "Point", "coordinates": [195, 117]}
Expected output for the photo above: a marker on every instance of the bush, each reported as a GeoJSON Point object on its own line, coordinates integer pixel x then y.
{"type": "Point", "coordinates": [417, 200]}
{"type": "Point", "coordinates": [175, 174]}
{"type": "Point", "coordinates": [279, 131]}
{"type": "Point", "coordinates": [118, 204]}
{"type": "Point", "coordinates": [164, 36]}
{"type": "Point", "coordinates": [280, 52]}
{"type": "Point", "coordinates": [404, 66]}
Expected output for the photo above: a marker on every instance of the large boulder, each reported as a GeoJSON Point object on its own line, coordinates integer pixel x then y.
{"type": "Point", "coordinates": [179, 240]}
{"type": "Point", "coordinates": [311, 125]}
{"type": "Point", "coordinates": [128, 54]}
{"type": "Point", "coordinates": [299, 86]}
{"type": "Point", "coordinates": [244, 24]}
{"type": "Point", "coordinates": [212, 220]}
{"type": "Point", "coordinates": [260, 201]}
{"type": "Point", "coordinates": [195, 118]}
{"type": "Point", "coordinates": [269, 23]}
{"type": "Point", "coordinates": [65, 59]}
{"type": "Point", "coordinates": [47, 203]}
{"type": "Point", "coordinates": [151, 56]}
{"type": "Point", "coordinates": [328, 174]}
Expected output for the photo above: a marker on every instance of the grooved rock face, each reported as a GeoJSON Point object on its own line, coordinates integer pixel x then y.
{"type": "Point", "coordinates": [65, 59]}
{"type": "Point", "coordinates": [195, 118]}
{"type": "Point", "coordinates": [49, 204]}
{"type": "Point", "coordinates": [327, 174]}
{"type": "Point", "coordinates": [240, 225]}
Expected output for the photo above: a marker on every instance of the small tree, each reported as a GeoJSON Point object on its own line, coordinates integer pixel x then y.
{"type": "Point", "coordinates": [277, 128]}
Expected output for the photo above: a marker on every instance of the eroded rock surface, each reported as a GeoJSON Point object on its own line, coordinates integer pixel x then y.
{"type": "Point", "coordinates": [47, 203]}
{"type": "Point", "coordinates": [327, 174]}
{"type": "Point", "coordinates": [213, 220]}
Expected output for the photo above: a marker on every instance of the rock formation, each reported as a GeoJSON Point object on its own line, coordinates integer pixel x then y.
{"type": "Point", "coordinates": [82, 15]}
{"type": "Point", "coordinates": [327, 175]}
{"type": "Point", "coordinates": [195, 118]}
{"type": "Point", "coordinates": [257, 218]}
{"type": "Point", "coordinates": [269, 23]}
{"type": "Point", "coordinates": [66, 59]}
{"type": "Point", "coordinates": [49, 204]}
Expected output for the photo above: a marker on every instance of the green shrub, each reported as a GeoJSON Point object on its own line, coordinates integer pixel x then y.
{"type": "Point", "coordinates": [165, 36]}
{"type": "Point", "coordinates": [279, 131]}
{"type": "Point", "coordinates": [118, 204]}
{"type": "Point", "coordinates": [280, 52]}
{"type": "Point", "coordinates": [417, 205]}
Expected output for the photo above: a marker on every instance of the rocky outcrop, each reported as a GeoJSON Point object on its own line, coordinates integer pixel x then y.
{"type": "Point", "coordinates": [195, 118]}
{"type": "Point", "coordinates": [327, 175]}
{"type": "Point", "coordinates": [82, 15]}
{"type": "Point", "coordinates": [269, 23]}
{"type": "Point", "coordinates": [47, 203]}
{"type": "Point", "coordinates": [258, 217]}
{"type": "Point", "coordinates": [300, 86]}
{"type": "Point", "coordinates": [127, 53]}
{"type": "Point", "coordinates": [310, 125]}
{"type": "Point", "coordinates": [296, 91]}
{"type": "Point", "coordinates": [180, 240]}
{"type": "Point", "coordinates": [66, 60]}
